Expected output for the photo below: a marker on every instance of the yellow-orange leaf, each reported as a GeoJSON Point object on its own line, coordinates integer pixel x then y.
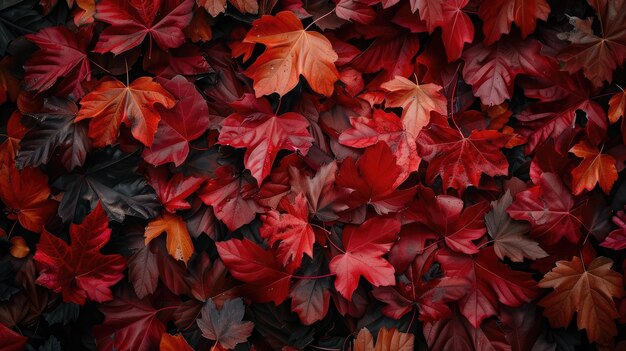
{"type": "Point", "coordinates": [595, 167]}
{"type": "Point", "coordinates": [387, 340]}
{"type": "Point", "coordinates": [113, 103]}
{"type": "Point", "coordinates": [588, 291]}
{"type": "Point", "coordinates": [290, 52]}
{"type": "Point", "coordinates": [178, 242]}
{"type": "Point", "coordinates": [417, 102]}
{"type": "Point", "coordinates": [174, 343]}
{"type": "Point", "coordinates": [19, 247]}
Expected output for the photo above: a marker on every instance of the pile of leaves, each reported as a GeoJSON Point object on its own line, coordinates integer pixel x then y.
{"type": "Point", "coordinates": [312, 174]}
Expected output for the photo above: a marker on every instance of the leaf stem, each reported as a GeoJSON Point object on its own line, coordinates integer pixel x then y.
{"type": "Point", "coordinates": [313, 276]}
{"type": "Point", "coordinates": [319, 18]}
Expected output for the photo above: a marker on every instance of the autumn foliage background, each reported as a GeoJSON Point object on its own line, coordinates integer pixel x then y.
{"type": "Point", "coordinates": [321, 175]}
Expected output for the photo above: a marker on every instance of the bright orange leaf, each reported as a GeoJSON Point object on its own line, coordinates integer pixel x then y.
{"type": "Point", "coordinates": [290, 51]}
{"type": "Point", "coordinates": [113, 103]}
{"type": "Point", "coordinates": [179, 243]}
{"type": "Point", "coordinates": [595, 168]}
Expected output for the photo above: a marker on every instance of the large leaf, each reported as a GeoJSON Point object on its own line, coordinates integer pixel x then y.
{"type": "Point", "coordinates": [108, 177]}
{"type": "Point", "coordinates": [586, 290]}
{"type": "Point", "coordinates": [290, 51]}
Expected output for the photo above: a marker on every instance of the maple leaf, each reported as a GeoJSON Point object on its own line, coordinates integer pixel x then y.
{"type": "Point", "coordinates": [385, 127]}
{"type": "Point", "coordinates": [225, 325]}
{"type": "Point", "coordinates": [365, 245]}
{"type": "Point", "coordinates": [179, 243]}
{"type": "Point", "coordinates": [215, 7]}
{"type": "Point", "coordinates": [444, 216]}
{"type": "Point", "coordinates": [130, 324]}
{"type": "Point", "coordinates": [310, 298]}
{"type": "Point", "coordinates": [292, 229]}
{"type": "Point", "coordinates": [54, 130]}
{"type": "Point", "coordinates": [255, 127]}
{"type": "Point", "coordinates": [587, 291]}
{"type": "Point", "coordinates": [509, 239]}
{"type": "Point", "coordinates": [430, 11]}
{"type": "Point", "coordinates": [597, 56]}
{"type": "Point", "coordinates": [461, 160]}
{"type": "Point", "coordinates": [79, 271]}
{"type": "Point", "coordinates": [457, 333]}
{"type": "Point", "coordinates": [113, 103]}
{"type": "Point", "coordinates": [26, 195]}
{"type": "Point", "coordinates": [10, 340]}
{"type": "Point", "coordinates": [486, 282]}
{"type": "Point", "coordinates": [498, 16]}
{"type": "Point", "coordinates": [374, 179]}
{"type": "Point", "coordinates": [320, 191]}
{"type": "Point", "coordinates": [248, 262]}
{"type": "Point", "coordinates": [416, 288]}
{"type": "Point", "coordinates": [232, 197]}
{"type": "Point", "coordinates": [109, 178]}
{"type": "Point", "coordinates": [457, 28]}
{"type": "Point", "coordinates": [617, 110]}
{"type": "Point", "coordinates": [173, 192]}
{"type": "Point", "coordinates": [143, 271]}
{"type": "Point", "coordinates": [131, 21]}
{"type": "Point", "coordinates": [290, 51]}
{"type": "Point", "coordinates": [62, 54]}
{"type": "Point", "coordinates": [386, 340]}
{"type": "Point", "coordinates": [417, 102]}
{"type": "Point", "coordinates": [561, 95]}
{"type": "Point", "coordinates": [595, 168]}
{"type": "Point", "coordinates": [186, 121]}
{"type": "Point", "coordinates": [174, 343]}
{"type": "Point", "coordinates": [392, 53]}
{"type": "Point", "coordinates": [549, 207]}
{"type": "Point", "coordinates": [352, 10]}
{"type": "Point", "coordinates": [491, 70]}
{"type": "Point", "coordinates": [616, 239]}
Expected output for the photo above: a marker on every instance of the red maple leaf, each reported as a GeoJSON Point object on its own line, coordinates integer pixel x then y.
{"type": "Point", "coordinates": [62, 55]}
{"type": "Point", "coordinates": [187, 121]}
{"type": "Point", "coordinates": [267, 279]}
{"type": "Point", "coordinates": [374, 179]}
{"type": "Point", "coordinates": [550, 209]}
{"type": "Point", "coordinates": [131, 21]}
{"type": "Point", "coordinates": [256, 127]}
{"type": "Point", "coordinates": [232, 196]}
{"type": "Point", "coordinates": [385, 127]}
{"type": "Point", "coordinates": [459, 160]}
{"type": "Point", "coordinates": [443, 217]}
{"type": "Point", "coordinates": [498, 15]}
{"type": "Point", "coordinates": [173, 192]}
{"type": "Point", "coordinates": [364, 247]}
{"type": "Point", "coordinates": [79, 271]}
{"type": "Point", "coordinates": [290, 229]}
{"type": "Point", "coordinates": [486, 283]}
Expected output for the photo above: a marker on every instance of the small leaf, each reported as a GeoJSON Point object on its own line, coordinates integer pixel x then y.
{"type": "Point", "coordinates": [225, 325]}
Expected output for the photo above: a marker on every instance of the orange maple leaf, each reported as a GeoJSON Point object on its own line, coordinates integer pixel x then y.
{"type": "Point", "coordinates": [417, 102]}
{"type": "Point", "coordinates": [588, 291]}
{"type": "Point", "coordinates": [113, 103]}
{"type": "Point", "coordinates": [290, 51]}
{"type": "Point", "coordinates": [26, 195]}
{"type": "Point", "coordinates": [595, 167]}
{"type": "Point", "coordinates": [178, 243]}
